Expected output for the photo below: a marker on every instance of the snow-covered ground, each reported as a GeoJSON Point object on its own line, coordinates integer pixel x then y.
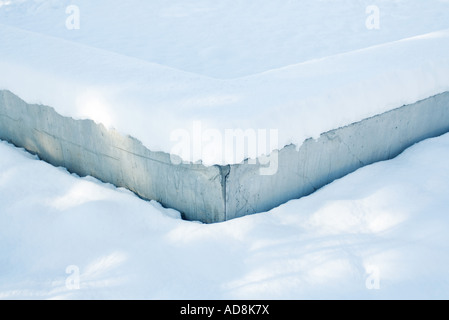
{"type": "Point", "coordinates": [151, 68]}
{"type": "Point", "coordinates": [379, 233]}
{"type": "Point", "coordinates": [227, 38]}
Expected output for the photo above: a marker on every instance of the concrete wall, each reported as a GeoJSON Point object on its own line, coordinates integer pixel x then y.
{"type": "Point", "coordinates": [335, 154]}
{"type": "Point", "coordinates": [217, 193]}
{"type": "Point", "coordinates": [86, 148]}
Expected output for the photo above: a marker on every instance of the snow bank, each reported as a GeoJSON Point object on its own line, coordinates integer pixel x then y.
{"type": "Point", "coordinates": [379, 233]}
{"type": "Point", "coordinates": [87, 74]}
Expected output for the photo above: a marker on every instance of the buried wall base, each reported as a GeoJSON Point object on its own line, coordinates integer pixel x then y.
{"type": "Point", "coordinates": [217, 193]}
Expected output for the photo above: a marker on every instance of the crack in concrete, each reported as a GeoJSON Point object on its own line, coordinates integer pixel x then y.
{"type": "Point", "coordinates": [60, 139]}
{"type": "Point", "coordinates": [224, 174]}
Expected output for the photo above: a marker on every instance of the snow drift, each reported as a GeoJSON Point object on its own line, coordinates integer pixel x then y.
{"type": "Point", "coordinates": [86, 74]}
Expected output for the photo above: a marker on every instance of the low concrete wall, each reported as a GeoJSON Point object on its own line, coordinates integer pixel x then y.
{"type": "Point", "coordinates": [86, 148]}
{"type": "Point", "coordinates": [217, 193]}
{"type": "Point", "coordinates": [333, 155]}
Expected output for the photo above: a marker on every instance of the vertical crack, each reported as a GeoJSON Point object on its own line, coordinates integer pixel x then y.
{"type": "Point", "coordinates": [224, 173]}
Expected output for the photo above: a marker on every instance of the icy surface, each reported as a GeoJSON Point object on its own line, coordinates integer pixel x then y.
{"type": "Point", "coordinates": [378, 233]}
{"type": "Point", "coordinates": [151, 68]}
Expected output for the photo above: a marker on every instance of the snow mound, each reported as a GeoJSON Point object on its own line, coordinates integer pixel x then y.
{"type": "Point", "coordinates": [162, 72]}
{"type": "Point", "coordinates": [379, 233]}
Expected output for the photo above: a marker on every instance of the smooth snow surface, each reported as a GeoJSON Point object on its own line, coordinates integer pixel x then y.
{"type": "Point", "coordinates": [228, 38]}
{"type": "Point", "coordinates": [152, 68]}
{"type": "Point", "coordinates": [379, 233]}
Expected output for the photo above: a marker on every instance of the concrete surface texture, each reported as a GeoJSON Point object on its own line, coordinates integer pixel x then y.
{"type": "Point", "coordinates": [217, 193]}
{"type": "Point", "coordinates": [333, 155]}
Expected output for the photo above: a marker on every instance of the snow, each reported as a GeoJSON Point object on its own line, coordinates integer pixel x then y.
{"type": "Point", "coordinates": [378, 233]}
{"type": "Point", "coordinates": [226, 38]}
{"type": "Point", "coordinates": [155, 68]}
